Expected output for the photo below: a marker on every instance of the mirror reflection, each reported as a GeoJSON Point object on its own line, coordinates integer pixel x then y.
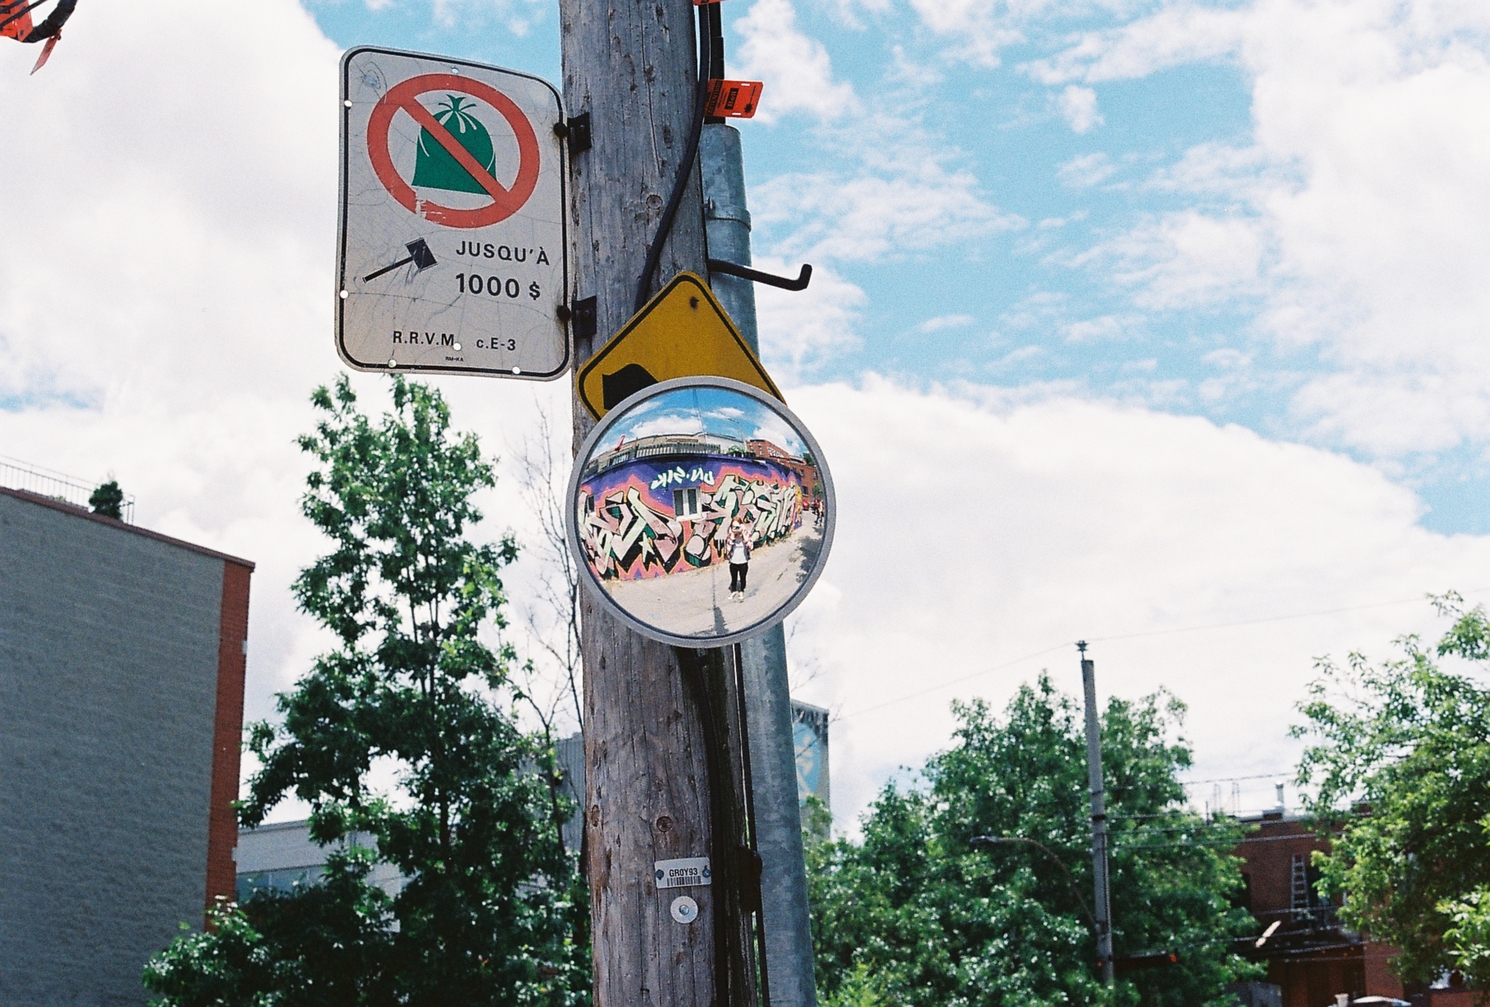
{"type": "Point", "coordinates": [701, 512]}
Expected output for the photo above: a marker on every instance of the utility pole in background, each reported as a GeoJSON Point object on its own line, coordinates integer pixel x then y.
{"type": "Point", "coordinates": [1103, 908]}
{"type": "Point", "coordinates": [651, 711]}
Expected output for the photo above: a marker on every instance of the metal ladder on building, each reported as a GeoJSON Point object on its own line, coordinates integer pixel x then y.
{"type": "Point", "coordinates": [1299, 899]}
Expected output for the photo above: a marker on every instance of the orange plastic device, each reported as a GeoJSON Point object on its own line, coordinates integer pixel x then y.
{"type": "Point", "coordinates": [734, 99]}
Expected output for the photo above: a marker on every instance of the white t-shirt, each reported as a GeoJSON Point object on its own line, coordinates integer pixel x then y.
{"type": "Point", "coordinates": [738, 553]}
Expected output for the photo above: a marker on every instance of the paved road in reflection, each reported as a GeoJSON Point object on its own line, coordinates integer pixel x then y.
{"type": "Point", "coordinates": [698, 603]}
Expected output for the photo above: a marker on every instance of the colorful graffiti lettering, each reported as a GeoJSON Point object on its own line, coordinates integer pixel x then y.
{"type": "Point", "coordinates": [678, 474]}
{"type": "Point", "coordinates": [629, 533]}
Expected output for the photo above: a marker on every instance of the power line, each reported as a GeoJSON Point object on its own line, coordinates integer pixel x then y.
{"type": "Point", "coordinates": [1309, 837]}
{"type": "Point", "coordinates": [1271, 618]}
{"type": "Point", "coordinates": [1281, 775]}
{"type": "Point", "coordinates": [955, 681]}
{"type": "Point", "coordinates": [1138, 636]}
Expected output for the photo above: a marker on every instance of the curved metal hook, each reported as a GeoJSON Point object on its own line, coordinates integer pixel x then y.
{"type": "Point", "coordinates": [745, 272]}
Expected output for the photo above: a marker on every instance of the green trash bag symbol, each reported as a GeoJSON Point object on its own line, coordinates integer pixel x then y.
{"type": "Point", "coordinates": [435, 168]}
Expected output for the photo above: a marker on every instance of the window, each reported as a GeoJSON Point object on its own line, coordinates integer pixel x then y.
{"type": "Point", "coordinates": [685, 502]}
{"type": "Point", "coordinates": [284, 879]}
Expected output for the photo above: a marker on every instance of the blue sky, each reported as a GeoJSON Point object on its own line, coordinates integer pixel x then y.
{"type": "Point", "coordinates": [702, 410]}
{"type": "Point", "coordinates": [1049, 214]}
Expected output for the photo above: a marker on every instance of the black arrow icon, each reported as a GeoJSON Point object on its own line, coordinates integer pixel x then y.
{"type": "Point", "coordinates": [419, 255]}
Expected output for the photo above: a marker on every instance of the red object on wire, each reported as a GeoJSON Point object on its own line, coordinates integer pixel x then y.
{"type": "Point", "coordinates": [16, 23]}
{"type": "Point", "coordinates": [46, 52]}
{"type": "Point", "coordinates": [734, 99]}
{"type": "Point", "coordinates": [15, 19]}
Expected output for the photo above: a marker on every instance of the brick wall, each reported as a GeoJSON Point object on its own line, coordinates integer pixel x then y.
{"type": "Point", "coordinates": [227, 732]}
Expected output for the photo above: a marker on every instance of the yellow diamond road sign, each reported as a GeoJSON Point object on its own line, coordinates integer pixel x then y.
{"type": "Point", "coordinates": [681, 333]}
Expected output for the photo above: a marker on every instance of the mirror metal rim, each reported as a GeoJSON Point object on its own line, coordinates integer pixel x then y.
{"type": "Point", "coordinates": [619, 412]}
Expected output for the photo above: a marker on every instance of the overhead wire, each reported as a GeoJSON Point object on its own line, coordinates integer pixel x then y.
{"type": "Point", "coordinates": [1134, 636]}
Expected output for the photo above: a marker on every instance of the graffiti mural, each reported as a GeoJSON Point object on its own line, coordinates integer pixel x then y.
{"type": "Point", "coordinates": [648, 517]}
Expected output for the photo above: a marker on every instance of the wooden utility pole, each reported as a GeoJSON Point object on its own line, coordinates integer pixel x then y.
{"type": "Point", "coordinates": [632, 67]}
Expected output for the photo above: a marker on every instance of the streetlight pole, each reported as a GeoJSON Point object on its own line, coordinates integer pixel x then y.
{"type": "Point", "coordinates": [778, 823]}
{"type": "Point", "coordinates": [1099, 816]}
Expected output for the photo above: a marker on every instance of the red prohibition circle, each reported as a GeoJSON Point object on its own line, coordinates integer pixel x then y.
{"type": "Point", "coordinates": [404, 97]}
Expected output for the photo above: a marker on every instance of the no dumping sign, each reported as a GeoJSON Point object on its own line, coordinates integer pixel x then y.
{"type": "Point", "coordinates": [453, 253]}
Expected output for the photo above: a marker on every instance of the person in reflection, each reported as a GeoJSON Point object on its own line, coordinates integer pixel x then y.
{"type": "Point", "coordinates": [737, 549]}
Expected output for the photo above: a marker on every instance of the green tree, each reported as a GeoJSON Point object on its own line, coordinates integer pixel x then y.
{"type": "Point", "coordinates": [325, 944]}
{"type": "Point", "coordinates": [1401, 762]}
{"type": "Point", "coordinates": [108, 500]}
{"type": "Point", "coordinates": [916, 914]}
{"type": "Point", "coordinates": [492, 911]}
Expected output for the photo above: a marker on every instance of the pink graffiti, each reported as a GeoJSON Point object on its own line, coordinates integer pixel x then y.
{"type": "Point", "coordinates": [627, 533]}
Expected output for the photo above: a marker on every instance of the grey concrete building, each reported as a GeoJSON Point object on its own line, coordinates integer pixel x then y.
{"type": "Point", "coordinates": [810, 737]}
{"type": "Point", "coordinates": [282, 856]}
{"type": "Point", "coordinates": [121, 707]}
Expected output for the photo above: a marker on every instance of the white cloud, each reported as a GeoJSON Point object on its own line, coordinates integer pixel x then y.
{"type": "Point", "coordinates": [172, 308]}
{"type": "Point", "coordinates": [171, 311]}
{"type": "Point", "coordinates": [799, 329]}
{"type": "Point", "coordinates": [1084, 171]}
{"type": "Point", "coordinates": [1078, 107]}
{"type": "Point", "coordinates": [915, 74]}
{"type": "Point", "coordinates": [888, 209]}
{"type": "Point", "coordinates": [1359, 216]}
{"type": "Point", "coordinates": [1176, 35]}
{"type": "Point", "coordinates": [1105, 328]}
{"type": "Point", "coordinates": [979, 37]}
{"type": "Point", "coordinates": [796, 70]}
{"type": "Point", "coordinates": [1228, 358]}
{"type": "Point", "coordinates": [978, 526]}
{"type": "Point", "coordinates": [1186, 258]}
{"type": "Point", "coordinates": [891, 188]}
{"type": "Point", "coordinates": [518, 16]}
{"type": "Point", "coordinates": [941, 322]}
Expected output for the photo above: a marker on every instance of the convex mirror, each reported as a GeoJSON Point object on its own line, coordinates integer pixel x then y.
{"type": "Point", "coordinates": [700, 511]}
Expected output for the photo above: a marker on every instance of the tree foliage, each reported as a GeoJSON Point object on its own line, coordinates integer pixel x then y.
{"type": "Point", "coordinates": [1401, 762]}
{"type": "Point", "coordinates": [108, 500]}
{"type": "Point", "coordinates": [326, 944]}
{"type": "Point", "coordinates": [915, 914]}
{"type": "Point", "coordinates": [491, 911]}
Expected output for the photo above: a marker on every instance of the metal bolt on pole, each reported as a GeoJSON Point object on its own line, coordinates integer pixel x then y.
{"type": "Point", "coordinates": [1103, 907]}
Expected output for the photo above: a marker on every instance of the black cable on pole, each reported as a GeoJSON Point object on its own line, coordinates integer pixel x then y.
{"type": "Point", "coordinates": [685, 166]}
{"type": "Point", "coordinates": [52, 24]}
{"type": "Point", "coordinates": [690, 663]}
{"type": "Point", "coordinates": [754, 850]}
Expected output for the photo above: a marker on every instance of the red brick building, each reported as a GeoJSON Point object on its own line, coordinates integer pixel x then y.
{"type": "Point", "coordinates": [812, 483]}
{"type": "Point", "coordinates": [1311, 956]}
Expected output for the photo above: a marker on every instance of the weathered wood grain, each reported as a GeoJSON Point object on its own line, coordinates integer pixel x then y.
{"type": "Point", "coordinates": [632, 64]}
